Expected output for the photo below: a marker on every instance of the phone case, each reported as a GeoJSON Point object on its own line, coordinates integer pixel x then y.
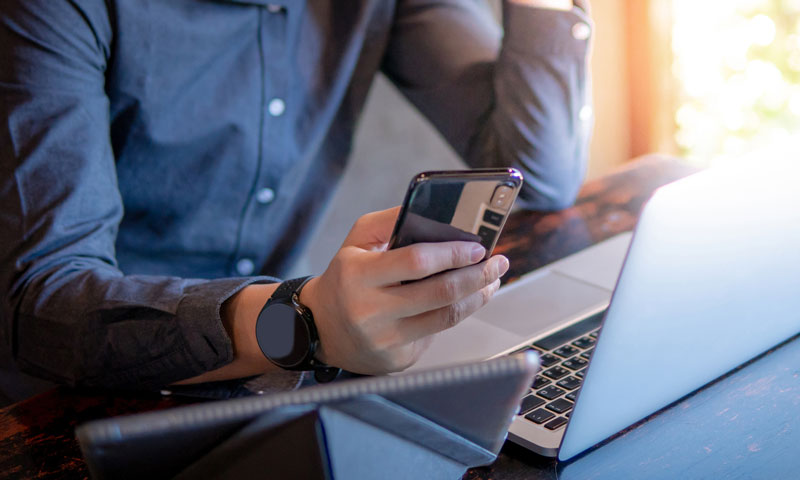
{"type": "Point", "coordinates": [466, 205]}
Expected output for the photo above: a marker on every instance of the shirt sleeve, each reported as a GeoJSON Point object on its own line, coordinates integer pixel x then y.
{"type": "Point", "coordinates": [513, 98]}
{"type": "Point", "coordinates": [68, 313]}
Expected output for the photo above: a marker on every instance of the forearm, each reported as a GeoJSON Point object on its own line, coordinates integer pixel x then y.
{"type": "Point", "coordinates": [540, 118]}
{"type": "Point", "coordinates": [239, 315]}
{"type": "Point", "coordinates": [96, 327]}
{"type": "Point", "coordinates": [515, 97]}
{"type": "Point", "coordinates": [69, 314]}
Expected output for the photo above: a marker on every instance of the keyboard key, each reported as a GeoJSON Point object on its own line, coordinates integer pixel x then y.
{"type": "Point", "coordinates": [546, 360]}
{"type": "Point", "coordinates": [571, 396]}
{"type": "Point", "coordinates": [570, 383]}
{"type": "Point", "coordinates": [556, 372]}
{"type": "Point", "coordinates": [551, 392]}
{"type": "Point", "coordinates": [573, 331]}
{"type": "Point", "coordinates": [566, 351]}
{"type": "Point", "coordinates": [575, 363]}
{"type": "Point", "coordinates": [555, 423]}
{"type": "Point", "coordinates": [594, 334]}
{"type": "Point", "coordinates": [580, 373]}
{"type": "Point", "coordinates": [529, 403]}
{"type": "Point", "coordinates": [540, 382]}
{"type": "Point", "coordinates": [539, 416]}
{"type": "Point", "coordinates": [560, 406]}
{"type": "Point", "coordinates": [587, 354]}
{"type": "Point", "coordinates": [584, 342]}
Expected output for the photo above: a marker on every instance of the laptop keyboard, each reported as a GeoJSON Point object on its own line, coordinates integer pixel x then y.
{"type": "Point", "coordinates": [564, 356]}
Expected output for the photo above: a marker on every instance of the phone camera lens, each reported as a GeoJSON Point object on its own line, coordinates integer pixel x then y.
{"type": "Point", "coordinates": [502, 197]}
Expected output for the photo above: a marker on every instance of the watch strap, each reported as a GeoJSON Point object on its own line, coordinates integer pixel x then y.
{"type": "Point", "coordinates": [289, 291]}
{"type": "Point", "coordinates": [289, 287]}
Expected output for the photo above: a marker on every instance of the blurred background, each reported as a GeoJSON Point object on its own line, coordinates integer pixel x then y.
{"type": "Point", "coordinates": [708, 80]}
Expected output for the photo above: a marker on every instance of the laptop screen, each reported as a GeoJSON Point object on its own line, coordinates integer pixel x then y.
{"type": "Point", "coordinates": [710, 281]}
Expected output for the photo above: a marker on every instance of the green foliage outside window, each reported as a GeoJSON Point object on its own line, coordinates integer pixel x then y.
{"type": "Point", "coordinates": [737, 65]}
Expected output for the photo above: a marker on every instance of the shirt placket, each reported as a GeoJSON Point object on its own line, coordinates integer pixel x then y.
{"type": "Point", "coordinates": [274, 144]}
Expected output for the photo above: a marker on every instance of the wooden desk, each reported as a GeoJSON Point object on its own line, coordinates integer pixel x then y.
{"type": "Point", "coordinates": [744, 424]}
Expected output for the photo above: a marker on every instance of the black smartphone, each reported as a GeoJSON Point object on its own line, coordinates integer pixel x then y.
{"type": "Point", "coordinates": [469, 205]}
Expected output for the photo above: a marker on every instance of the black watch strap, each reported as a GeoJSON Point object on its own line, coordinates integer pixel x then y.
{"type": "Point", "coordinates": [290, 287]}
{"type": "Point", "coordinates": [289, 292]}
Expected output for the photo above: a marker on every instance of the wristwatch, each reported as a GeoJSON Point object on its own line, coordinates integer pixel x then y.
{"type": "Point", "coordinates": [286, 333]}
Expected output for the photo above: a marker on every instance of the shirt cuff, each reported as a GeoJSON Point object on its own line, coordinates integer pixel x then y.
{"type": "Point", "coordinates": [199, 315]}
{"type": "Point", "coordinates": [543, 32]}
{"type": "Point", "coordinates": [203, 344]}
{"type": "Point", "coordinates": [207, 341]}
{"type": "Point", "coordinates": [207, 346]}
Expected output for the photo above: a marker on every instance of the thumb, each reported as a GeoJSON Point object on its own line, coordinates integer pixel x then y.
{"type": "Point", "coordinates": [373, 229]}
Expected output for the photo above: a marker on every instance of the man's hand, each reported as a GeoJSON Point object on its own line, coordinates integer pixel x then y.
{"type": "Point", "coordinates": [368, 321]}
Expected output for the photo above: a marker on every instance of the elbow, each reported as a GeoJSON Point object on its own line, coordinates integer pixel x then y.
{"type": "Point", "coordinates": [556, 185]}
{"type": "Point", "coordinates": [547, 196]}
{"type": "Point", "coordinates": [553, 162]}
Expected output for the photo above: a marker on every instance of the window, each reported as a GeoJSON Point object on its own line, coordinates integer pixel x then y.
{"type": "Point", "coordinates": [736, 69]}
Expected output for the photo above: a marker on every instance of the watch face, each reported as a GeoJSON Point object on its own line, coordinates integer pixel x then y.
{"type": "Point", "coordinates": [282, 335]}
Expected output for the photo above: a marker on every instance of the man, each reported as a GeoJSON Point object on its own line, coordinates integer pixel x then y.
{"type": "Point", "coordinates": [155, 155]}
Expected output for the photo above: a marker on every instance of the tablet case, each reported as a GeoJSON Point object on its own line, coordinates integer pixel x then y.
{"type": "Point", "coordinates": [433, 424]}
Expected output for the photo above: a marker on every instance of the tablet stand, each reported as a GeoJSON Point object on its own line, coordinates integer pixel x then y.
{"type": "Point", "coordinates": [433, 423]}
{"type": "Point", "coordinates": [366, 437]}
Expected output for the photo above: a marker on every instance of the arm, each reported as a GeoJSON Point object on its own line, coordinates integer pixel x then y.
{"type": "Point", "coordinates": [368, 321]}
{"type": "Point", "coordinates": [516, 104]}
{"type": "Point", "coordinates": [69, 314]}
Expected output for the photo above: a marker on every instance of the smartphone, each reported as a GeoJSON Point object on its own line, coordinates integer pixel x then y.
{"type": "Point", "coordinates": [469, 205]}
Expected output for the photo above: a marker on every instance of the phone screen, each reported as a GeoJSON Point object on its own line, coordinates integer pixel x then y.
{"type": "Point", "coordinates": [447, 206]}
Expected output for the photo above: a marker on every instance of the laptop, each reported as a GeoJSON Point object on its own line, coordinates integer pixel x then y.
{"type": "Point", "coordinates": [711, 279]}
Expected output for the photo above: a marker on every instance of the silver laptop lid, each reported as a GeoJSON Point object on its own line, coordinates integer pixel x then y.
{"type": "Point", "coordinates": [712, 279]}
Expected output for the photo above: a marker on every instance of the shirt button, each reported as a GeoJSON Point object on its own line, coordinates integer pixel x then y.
{"type": "Point", "coordinates": [245, 266]}
{"type": "Point", "coordinates": [265, 195]}
{"type": "Point", "coordinates": [276, 107]}
{"type": "Point", "coordinates": [586, 113]}
{"type": "Point", "coordinates": [581, 31]}
{"type": "Point", "coordinates": [273, 8]}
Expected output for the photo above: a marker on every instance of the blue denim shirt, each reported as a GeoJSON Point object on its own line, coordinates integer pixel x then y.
{"type": "Point", "coordinates": [154, 155]}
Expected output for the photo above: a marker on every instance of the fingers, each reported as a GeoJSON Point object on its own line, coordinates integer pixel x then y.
{"type": "Point", "coordinates": [382, 326]}
{"type": "Point", "coordinates": [434, 321]}
{"type": "Point", "coordinates": [372, 229]}
{"type": "Point", "coordinates": [422, 260]}
{"type": "Point", "coordinates": [368, 321]}
{"type": "Point", "coordinates": [447, 288]}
